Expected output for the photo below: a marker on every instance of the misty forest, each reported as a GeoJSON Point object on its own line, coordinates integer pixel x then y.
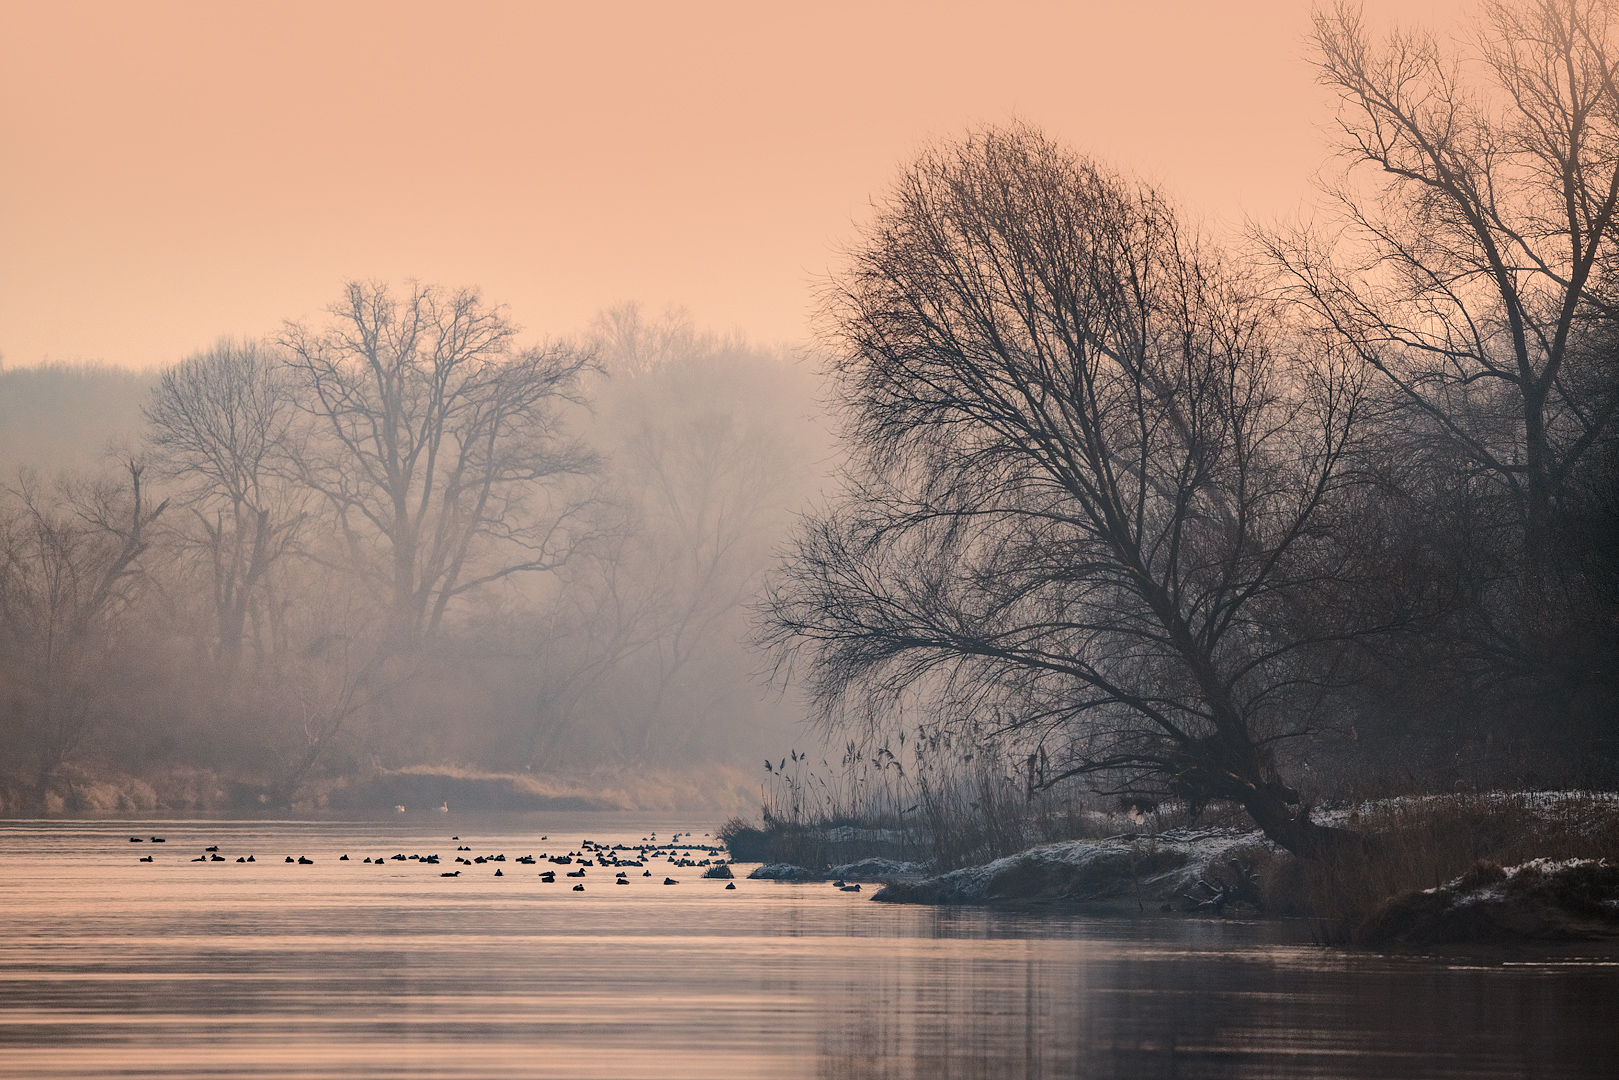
{"type": "Point", "coordinates": [400, 536]}
{"type": "Point", "coordinates": [1075, 499]}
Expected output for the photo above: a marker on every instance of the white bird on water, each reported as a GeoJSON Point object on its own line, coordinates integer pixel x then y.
{"type": "Point", "coordinates": [444, 808]}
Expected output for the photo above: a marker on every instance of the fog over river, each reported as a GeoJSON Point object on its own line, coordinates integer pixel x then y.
{"type": "Point", "coordinates": [114, 967]}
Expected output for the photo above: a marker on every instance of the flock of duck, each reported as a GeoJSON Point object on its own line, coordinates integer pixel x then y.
{"type": "Point", "coordinates": [588, 855]}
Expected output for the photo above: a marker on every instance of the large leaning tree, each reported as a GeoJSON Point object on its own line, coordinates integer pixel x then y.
{"type": "Point", "coordinates": [1098, 502]}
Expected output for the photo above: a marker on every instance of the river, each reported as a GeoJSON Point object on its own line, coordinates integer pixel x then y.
{"type": "Point", "coordinates": [112, 967]}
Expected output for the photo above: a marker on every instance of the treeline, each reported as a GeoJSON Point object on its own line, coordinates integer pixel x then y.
{"type": "Point", "coordinates": [1183, 520]}
{"type": "Point", "coordinates": [398, 537]}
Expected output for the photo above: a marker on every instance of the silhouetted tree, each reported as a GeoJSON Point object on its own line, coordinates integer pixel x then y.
{"type": "Point", "coordinates": [1093, 481]}
{"type": "Point", "coordinates": [1470, 267]}
{"type": "Point", "coordinates": [1465, 274]}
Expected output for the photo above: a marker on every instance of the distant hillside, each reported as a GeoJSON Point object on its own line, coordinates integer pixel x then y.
{"type": "Point", "coordinates": [63, 416]}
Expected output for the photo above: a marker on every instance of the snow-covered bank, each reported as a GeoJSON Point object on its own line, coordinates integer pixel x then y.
{"type": "Point", "coordinates": [1544, 899]}
{"type": "Point", "coordinates": [1181, 867]}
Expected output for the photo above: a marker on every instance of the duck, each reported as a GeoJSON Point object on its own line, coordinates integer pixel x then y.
{"type": "Point", "coordinates": [342, 858]}
{"type": "Point", "coordinates": [158, 840]}
{"type": "Point", "coordinates": [451, 873]}
{"type": "Point", "coordinates": [240, 859]}
{"type": "Point", "coordinates": [730, 885]}
{"type": "Point", "coordinates": [216, 858]}
{"type": "Point", "coordinates": [579, 888]}
{"type": "Point", "coordinates": [135, 840]}
{"type": "Point", "coordinates": [291, 859]}
{"type": "Point", "coordinates": [305, 861]}
{"type": "Point", "coordinates": [498, 873]}
{"type": "Point", "coordinates": [549, 877]}
{"type": "Point", "coordinates": [670, 881]}
{"type": "Point", "coordinates": [146, 858]}
{"type": "Point", "coordinates": [622, 881]}
{"type": "Point", "coordinates": [250, 858]}
{"type": "Point", "coordinates": [851, 888]}
{"type": "Point", "coordinates": [367, 860]}
{"type": "Point", "coordinates": [211, 850]}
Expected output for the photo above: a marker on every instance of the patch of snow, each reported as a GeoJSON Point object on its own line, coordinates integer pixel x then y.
{"type": "Point", "coordinates": [875, 869]}
{"type": "Point", "coordinates": [782, 872]}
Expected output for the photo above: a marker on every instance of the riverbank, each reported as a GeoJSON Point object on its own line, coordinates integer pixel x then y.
{"type": "Point", "coordinates": [1538, 866]}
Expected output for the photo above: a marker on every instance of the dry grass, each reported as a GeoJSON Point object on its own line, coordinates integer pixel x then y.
{"type": "Point", "coordinates": [963, 815]}
{"type": "Point", "coordinates": [1423, 842]}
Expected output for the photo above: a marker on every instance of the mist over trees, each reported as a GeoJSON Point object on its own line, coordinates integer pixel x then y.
{"type": "Point", "coordinates": [1099, 498]}
{"type": "Point", "coordinates": [399, 537]}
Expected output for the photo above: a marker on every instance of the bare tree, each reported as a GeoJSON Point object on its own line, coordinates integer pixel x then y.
{"type": "Point", "coordinates": [218, 426]}
{"type": "Point", "coordinates": [68, 569]}
{"type": "Point", "coordinates": [1477, 249]}
{"type": "Point", "coordinates": [1093, 483]}
{"type": "Point", "coordinates": [437, 445]}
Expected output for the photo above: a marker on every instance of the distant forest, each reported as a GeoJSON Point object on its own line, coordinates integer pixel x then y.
{"type": "Point", "coordinates": [396, 538]}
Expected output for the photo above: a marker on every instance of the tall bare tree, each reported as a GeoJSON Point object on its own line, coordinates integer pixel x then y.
{"type": "Point", "coordinates": [218, 424]}
{"type": "Point", "coordinates": [1477, 241]}
{"type": "Point", "coordinates": [1093, 482]}
{"type": "Point", "coordinates": [436, 443]}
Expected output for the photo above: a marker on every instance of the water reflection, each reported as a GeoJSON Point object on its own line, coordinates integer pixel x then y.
{"type": "Point", "coordinates": [113, 968]}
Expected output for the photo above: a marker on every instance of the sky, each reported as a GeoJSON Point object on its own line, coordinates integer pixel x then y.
{"type": "Point", "coordinates": [174, 172]}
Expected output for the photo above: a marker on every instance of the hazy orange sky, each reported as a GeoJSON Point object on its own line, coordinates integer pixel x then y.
{"type": "Point", "coordinates": [173, 172]}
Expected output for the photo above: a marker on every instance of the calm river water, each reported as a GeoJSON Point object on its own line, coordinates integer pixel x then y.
{"type": "Point", "coordinates": [113, 967]}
